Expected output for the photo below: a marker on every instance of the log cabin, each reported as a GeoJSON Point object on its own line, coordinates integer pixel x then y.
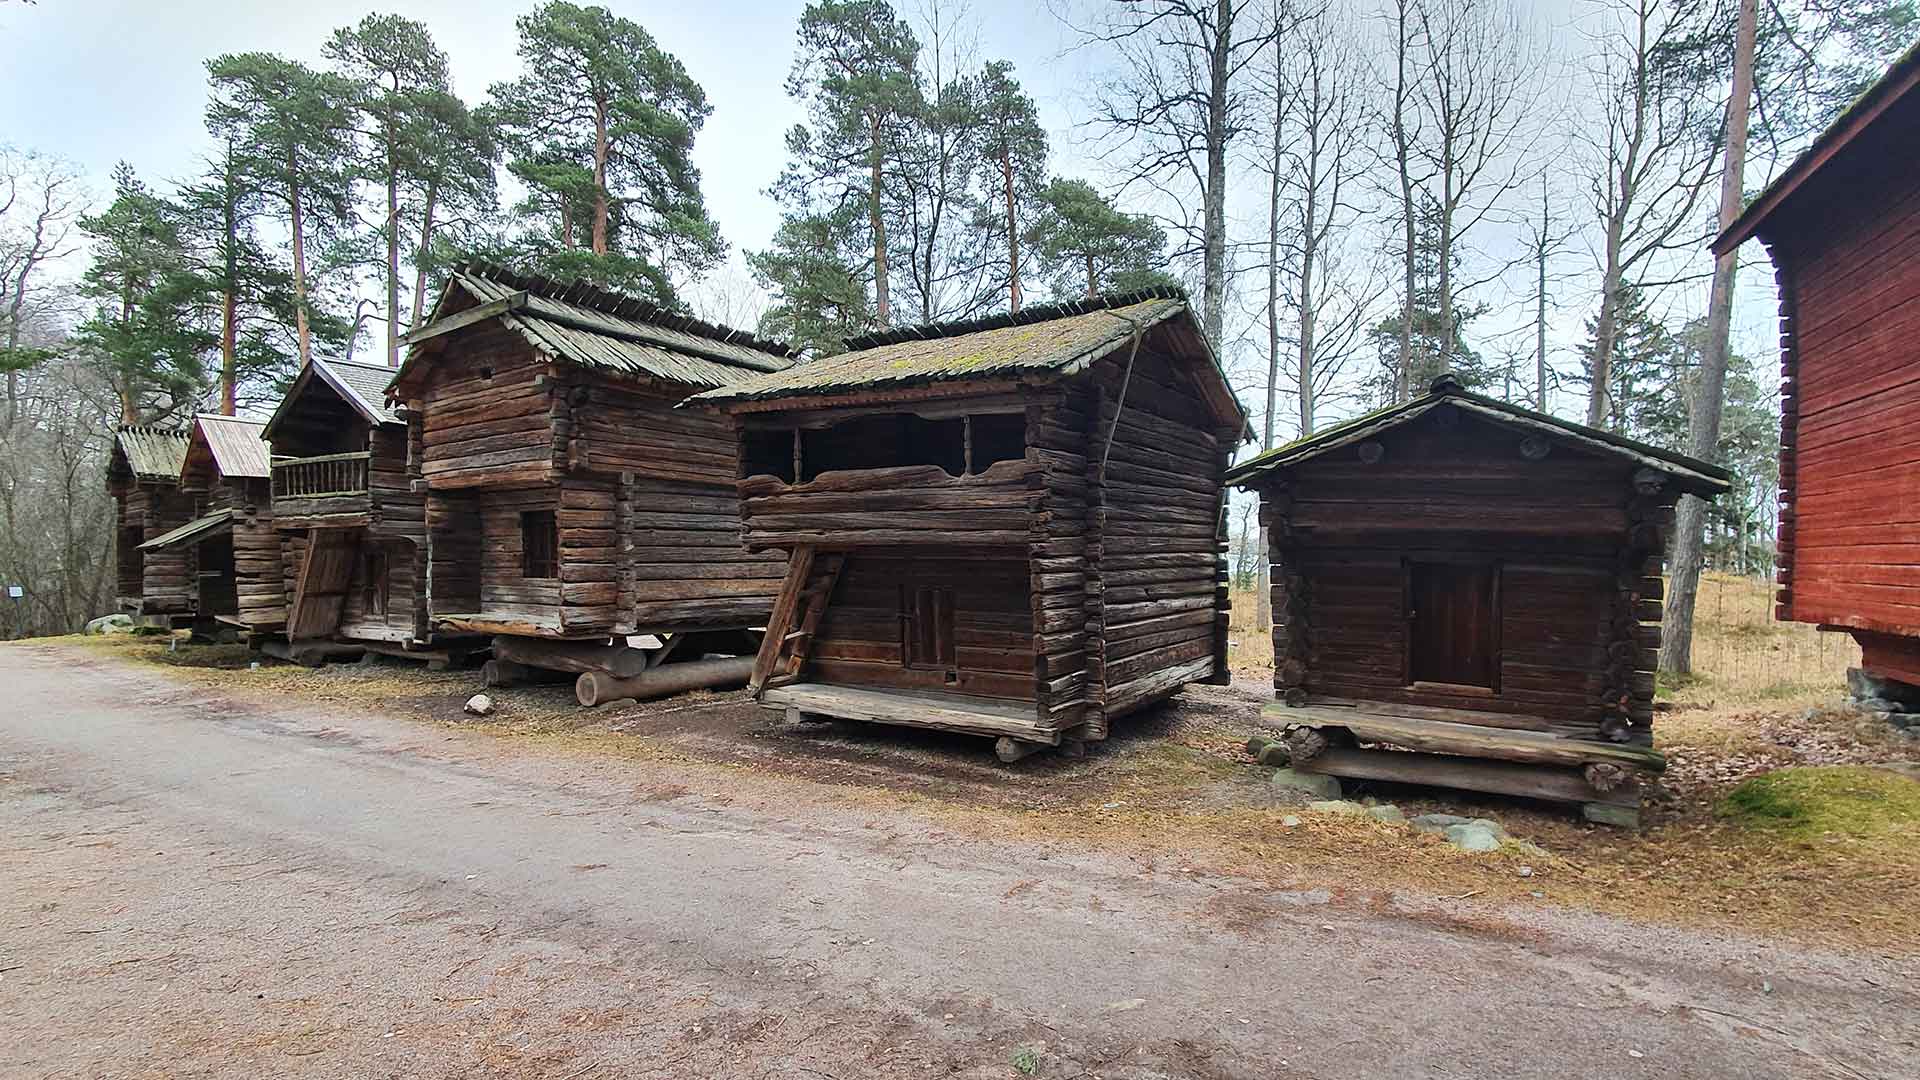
{"type": "Point", "coordinates": [143, 477]}
{"type": "Point", "coordinates": [1842, 227]}
{"type": "Point", "coordinates": [570, 507]}
{"type": "Point", "coordinates": [1010, 527]}
{"type": "Point", "coordinates": [230, 547]}
{"type": "Point", "coordinates": [353, 528]}
{"type": "Point", "coordinates": [1467, 593]}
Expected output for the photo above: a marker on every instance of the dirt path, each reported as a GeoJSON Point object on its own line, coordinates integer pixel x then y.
{"type": "Point", "coordinates": [194, 886]}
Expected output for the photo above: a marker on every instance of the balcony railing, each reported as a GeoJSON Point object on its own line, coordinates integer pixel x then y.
{"type": "Point", "coordinates": [322, 476]}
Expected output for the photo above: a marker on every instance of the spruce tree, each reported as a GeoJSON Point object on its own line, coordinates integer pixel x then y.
{"type": "Point", "coordinates": [1085, 246]}
{"type": "Point", "coordinates": [1014, 149]}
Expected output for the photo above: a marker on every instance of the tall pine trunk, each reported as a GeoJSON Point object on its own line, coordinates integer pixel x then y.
{"type": "Point", "coordinates": [229, 292]}
{"type": "Point", "coordinates": [1403, 166]}
{"type": "Point", "coordinates": [393, 255]}
{"type": "Point", "coordinates": [599, 179]}
{"type": "Point", "coordinates": [299, 258]}
{"type": "Point", "coordinates": [1013, 232]}
{"type": "Point", "coordinates": [1703, 428]}
{"type": "Point", "coordinates": [420, 258]}
{"type": "Point", "coordinates": [882, 308]}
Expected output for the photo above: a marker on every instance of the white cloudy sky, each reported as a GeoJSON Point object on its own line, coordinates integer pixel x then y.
{"type": "Point", "coordinates": [98, 81]}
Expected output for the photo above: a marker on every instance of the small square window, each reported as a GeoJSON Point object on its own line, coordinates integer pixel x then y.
{"type": "Point", "coordinates": [539, 544]}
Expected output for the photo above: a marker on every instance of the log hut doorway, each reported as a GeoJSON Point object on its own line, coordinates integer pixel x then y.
{"type": "Point", "coordinates": [1453, 625]}
{"type": "Point", "coordinates": [213, 568]}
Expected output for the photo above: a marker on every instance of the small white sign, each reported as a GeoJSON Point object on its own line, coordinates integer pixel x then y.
{"type": "Point", "coordinates": [16, 591]}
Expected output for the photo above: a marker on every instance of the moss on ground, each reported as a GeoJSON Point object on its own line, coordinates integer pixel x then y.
{"type": "Point", "coordinates": [1852, 801]}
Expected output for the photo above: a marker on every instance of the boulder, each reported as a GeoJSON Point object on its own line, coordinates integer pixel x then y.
{"type": "Point", "coordinates": [1336, 806]}
{"type": "Point", "coordinates": [479, 705]}
{"type": "Point", "coordinates": [1890, 695]}
{"type": "Point", "coordinates": [111, 624]}
{"type": "Point", "coordinates": [1473, 836]}
{"type": "Point", "coordinates": [1388, 813]}
{"type": "Point", "coordinates": [1438, 823]}
{"type": "Point", "coordinates": [1314, 784]}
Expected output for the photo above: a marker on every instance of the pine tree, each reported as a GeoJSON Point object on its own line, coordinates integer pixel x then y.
{"type": "Point", "coordinates": [144, 333]}
{"type": "Point", "coordinates": [855, 70]}
{"type": "Point", "coordinates": [1432, 347]}
{"type": "Point", "coordinates": [289, 131]}
{"type": "Point", "coordinates": [1014, 148]}
{"type": "Point", "coordinates": [1086, 247]}
{"type": "Point", "coordinates": [600, 98]}
{"type": "Point", "coordinates": [816, 269]}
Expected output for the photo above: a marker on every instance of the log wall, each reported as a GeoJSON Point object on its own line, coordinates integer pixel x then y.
{"type": "Point", "coordinates": [1156, 467]}
{"type": "Point", "coordinates": [1576, 541]}
{"type": "Point", "coordinates": [860, 639]}
{"type": "Point", "coordinates": [488, 412]}
{"type": "Point", "coordinates": [1062, 578]}
{"type": "Point", "coordinates": [164, 583]}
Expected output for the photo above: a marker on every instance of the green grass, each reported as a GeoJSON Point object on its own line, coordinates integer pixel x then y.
{"type": "Point", "coordinates": [1841, 799]}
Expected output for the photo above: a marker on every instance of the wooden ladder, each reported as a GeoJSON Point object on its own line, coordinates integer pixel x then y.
{"type": "Point", "coordinates": [796, 617]}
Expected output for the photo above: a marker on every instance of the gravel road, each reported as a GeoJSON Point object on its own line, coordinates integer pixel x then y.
{"type": "Point", "coordinates": [197, 886]}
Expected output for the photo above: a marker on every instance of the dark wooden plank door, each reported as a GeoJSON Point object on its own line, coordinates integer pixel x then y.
{"type": "Point", "coordinates": [219, 592]}
{"type": "Point", "coordinates": [928, 626]}
{"type": "Point", "coordinates": [1453, 631]}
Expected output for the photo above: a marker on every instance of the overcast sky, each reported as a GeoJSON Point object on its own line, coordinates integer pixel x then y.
{"type": "Point", "coordinates": [98, 81]}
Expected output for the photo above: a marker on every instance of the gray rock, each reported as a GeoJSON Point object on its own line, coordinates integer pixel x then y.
{"type": "Point", "coordinates": [1436, 823]}
{"type": "Point", "coordinates": [1335, 806]}
{"type": "Point", "coordinates": [1491, 826]}
{"type": "Point", "coordinates": [1473, 836]}
{"type": "Point", "coordinates": [1388, 813]}
{"type": "Point", "coordinates": [1325, 787]}
{"type": "Point", "coordinates": [1863, 686]}
{"type": "Point", "coordinates": [1291, 821]}
{"type": "Point", "coordinates": [111, 624]}
{"type": "Point", "coordinates": [480, 705]}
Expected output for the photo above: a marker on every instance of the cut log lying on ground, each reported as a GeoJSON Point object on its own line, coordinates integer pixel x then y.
{"type": "Point", "coordinates": [617, 659]}
{"type": "Point", "coordinates": [595, 688]}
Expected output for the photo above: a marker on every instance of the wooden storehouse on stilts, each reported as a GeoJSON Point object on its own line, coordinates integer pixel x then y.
{"type": "Point", "coordinates": [1842, 227]}
{"type": "Point", "coordinates": [570, 506]}
{"type": "Point", "coordinates": [230, 547]}
{"type": "Point", "coordinates": [1010, 527]}
{"type": "Point", "coordinates": [354, 527]}
{"type": "Point", "coordinates": [1467, 594]}
{"type": "Point", "coordinates": [143, 476]}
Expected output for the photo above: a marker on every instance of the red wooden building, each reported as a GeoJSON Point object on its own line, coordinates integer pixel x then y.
{"type": "Point", "coordinates": [1843, 227]}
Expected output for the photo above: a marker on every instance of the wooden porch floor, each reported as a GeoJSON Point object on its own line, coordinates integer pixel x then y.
{"type": "Point", "coordinates": [915, 708]}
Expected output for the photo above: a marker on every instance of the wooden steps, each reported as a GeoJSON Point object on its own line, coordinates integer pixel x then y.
{"type": "Point", "coordinates": [803, 599]}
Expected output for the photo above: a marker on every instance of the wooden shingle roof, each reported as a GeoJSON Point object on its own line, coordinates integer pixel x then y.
{"type": "Point", "coordinates": [1050, 340]}
{"type": "Point", "coordinates": [584, 324]}
{"type": "Point", "coordinates": [235, 445]}
{"type": "Point", "coordinates": [362, 386]}
{"type": "Point", "coordinates": [1689, 474]}
{"type": "Point", "coordinates": [152, 453]}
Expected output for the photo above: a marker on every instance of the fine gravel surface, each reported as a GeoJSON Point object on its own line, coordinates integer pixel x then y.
{"type": "Point", "coordinates": [194, 886]}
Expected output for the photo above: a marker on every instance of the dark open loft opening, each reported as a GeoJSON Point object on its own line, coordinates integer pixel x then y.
{"type": "Point", "coordinates": [961, 445]}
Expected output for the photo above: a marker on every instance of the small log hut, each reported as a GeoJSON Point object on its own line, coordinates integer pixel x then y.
{"type": "Point", "coordinates": [1010, 527]}
{"type": "Point", "coordinates": [143, 476]}
{"type": "Point", "coordinates": [230, 547]}
{"type": "Point", "coordinates": [1842, 225]}
{"type": "Point", "coordinates": [570, 506]}
{"type": "Point", "coordinates": [353, 527]}
{"type": "Point", "coordinates": [1477, 585]}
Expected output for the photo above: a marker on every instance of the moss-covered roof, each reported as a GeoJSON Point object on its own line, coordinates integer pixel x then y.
{"type": "Point", "coordinates": [1056, 339]}
{"type": "Point", "coordinates": [151, 453]}
{"type": "Point", "coordinates": [1690, 474]}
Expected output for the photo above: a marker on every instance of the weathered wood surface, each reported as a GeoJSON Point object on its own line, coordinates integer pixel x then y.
{"type": "Point", "coordinates": [1474, 774]}
{"type": "Point", "coordinates": [946, 712]}
{"type": "Point", "coordinates": [1465, 738]}
{"type": "Point", "coordinates": [594, 688]}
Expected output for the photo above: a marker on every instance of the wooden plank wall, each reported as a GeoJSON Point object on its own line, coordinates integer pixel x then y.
{"type": "Point", "coordinates": [259, 566]}
{"type": "Point", "coordinates": [357, 620]}
{"type": "Point", "coordinates": [914, 505]}
{"type": "Point", "coordinates": [503, 590]}
{"type": "Point", "coordinates": [1160, 568]}
{"type": "Point", "coordinates": [1577, 544]}
{"type": "Point", "coordinates": [488, 412]}
{"type": "Point", "coordinates": [860, 638]}
{"type": "Point", "coordinates": [1848, 267]}
{"type": "Point", "coordinates": [166, 584]}
{"type": "Point", "coordinates": [453, 554]}
{"type": "Point", "coordinates": [686, 562]}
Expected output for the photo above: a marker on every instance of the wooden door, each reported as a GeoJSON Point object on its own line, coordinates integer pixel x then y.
{"type": "Point", "coordinates": [927, 627]}
{"type": "Point", "coordinates": [1453, 624]}
{"type": "Point", "coordinates": [213, 566]}
{"type": "Point", "coordinates": [320, 592]}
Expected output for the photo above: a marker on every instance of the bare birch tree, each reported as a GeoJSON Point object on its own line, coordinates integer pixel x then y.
{"type": "Point", "coordinates": [1182, 97]}
{"type": "Point", "coordinates": [41, 199]}
{"type": "Point", "coordinates": [1650, 161]}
